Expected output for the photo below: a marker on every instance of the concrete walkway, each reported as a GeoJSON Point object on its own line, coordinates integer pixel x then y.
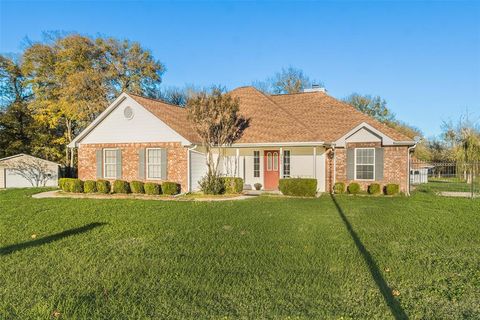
{"type": "Point", "coordinates": [60, 194]}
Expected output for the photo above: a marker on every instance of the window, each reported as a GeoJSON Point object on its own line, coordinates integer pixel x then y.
{"type": "Point", "coordinates": [275, 161]}
{"type": "Point", "coordinates": [256, 164]}
{"type": "Point", "coordinates": [365, 164]}
{"type": "Point", "coordinates": [269, 161]}
{"type": "Point", "coordinates": [110, 163]}
{"type": "Point", "coordinates": [154, 163]}
{"type": "Point", "coordinates": [286, 163]}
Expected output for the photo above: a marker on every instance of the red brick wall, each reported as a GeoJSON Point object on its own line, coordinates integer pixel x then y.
{"type": "Point", "coordinates": [395, 160]}
{"type": "Point", "coordinates": [176, 157]}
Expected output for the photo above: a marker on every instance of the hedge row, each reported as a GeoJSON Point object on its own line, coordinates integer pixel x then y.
{"type": "Point", "coordinates": [300, 187]}
{"type": "Point", "coordinates": [119, 186]}
{"type": "Point", "coordinates": [374, 188]}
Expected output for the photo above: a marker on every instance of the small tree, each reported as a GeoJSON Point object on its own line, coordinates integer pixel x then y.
{"type": "Point", "coordinates": [216, 120]}
{"type": "Point", "coordinates": [35, 170]}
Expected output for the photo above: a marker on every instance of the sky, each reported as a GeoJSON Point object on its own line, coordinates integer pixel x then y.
{"type": "Point", "coordinates": [423, 58]}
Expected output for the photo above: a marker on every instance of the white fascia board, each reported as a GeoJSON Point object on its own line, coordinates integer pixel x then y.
{"type": "Point", "coordinates": [97, 120]}
{"type": "Point", "coordinates": [28, 156]}
{"type": "Point", "coordinates": [279, 144]}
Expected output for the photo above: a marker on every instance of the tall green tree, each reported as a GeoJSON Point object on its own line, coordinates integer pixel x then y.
{"type": "Point", "coordinates": [16, 121]}
{"type": "Point", "coordinates": [374, 106]}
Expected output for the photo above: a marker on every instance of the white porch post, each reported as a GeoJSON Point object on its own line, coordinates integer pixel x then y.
{"type": "Point", "coordinates": [237, 162]}
{"type": "Point", "coordinates": [280, 157]}
{"type": "Point", "coordinates": [315, 162]}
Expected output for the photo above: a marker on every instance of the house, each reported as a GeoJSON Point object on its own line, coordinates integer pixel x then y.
{"type": "Point", "coordinates": [308, 134]}
{"type": "Point", "coordinates": [23, 171]}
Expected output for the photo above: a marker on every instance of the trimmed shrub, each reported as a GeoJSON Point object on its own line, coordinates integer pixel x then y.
{"type": "Point", "coordinates": [211, 184]}
{"type": "Point", "coordinates": [64, 184]}
{"type": "Point", "coordinates": [170, 188]}
{"type": "Point", "coordinates": [121, 186]}
{"type": "Point", "coordinates": [391, 189]}
{"type": "Point", "coordinates": [90, 186]}
{"type": "Point", "coordinates": [103, 186]}
{"type": "Point", "coordinates": [152, 188]}
{"type": "Point", "coordinates": [233, 184]}
{"type": "Point", "coordinates": [257, 186]}
{"type": "Point", "coordinates": [374, 188]}
{"type": "Point", "coordinates": [353, 188]}
{"type": "Point", "coordinates": [339, 187]}
{"type": "Point", "coordinates": [299, 187]}
{"type": "Point", "coordinates": [137, 187]}
{"type": "Point", "coordinates": [75, 185]}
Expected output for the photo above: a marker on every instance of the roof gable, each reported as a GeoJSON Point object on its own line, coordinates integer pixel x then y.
{"type": "Point", "coordinates": [145, 125]}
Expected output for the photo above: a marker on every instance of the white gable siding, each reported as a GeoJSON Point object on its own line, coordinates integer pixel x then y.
{"type": "Point", "coordinates": [2, 177]}
{"type": "Point", "coordinates": [143, 127]}
{"type": "Point", "coordinates": [363, 135]}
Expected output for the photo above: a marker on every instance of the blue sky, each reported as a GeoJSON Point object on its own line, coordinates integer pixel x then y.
{"type": "Point", "coordinates": [422, 57]}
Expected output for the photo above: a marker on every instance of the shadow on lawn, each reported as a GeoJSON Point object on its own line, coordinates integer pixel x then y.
{"type": "Point", "coordinates": [386, 291]}
{"type": "Point", "coordinates": [45, 240]}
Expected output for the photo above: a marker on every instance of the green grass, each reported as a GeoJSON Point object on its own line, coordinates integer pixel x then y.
{"type": "Point", "coordinates": [436, 185]}
{"type": "Point", "coordinates": [268, 257]}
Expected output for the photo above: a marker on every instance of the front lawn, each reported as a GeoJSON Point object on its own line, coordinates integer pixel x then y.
{"type": "Point", "coordinates": [269, 257]}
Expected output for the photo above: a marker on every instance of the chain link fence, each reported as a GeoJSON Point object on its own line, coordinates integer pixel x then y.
{"type": "Point", "coordinates": [446, 178]}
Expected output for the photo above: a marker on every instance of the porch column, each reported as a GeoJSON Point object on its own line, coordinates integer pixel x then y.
{"type": "Point", "coordinates": [280, 164]}
{"type": "Point", "coordinates": [315, 162]}
{"type": "Point", "coordinates": [237, 162]}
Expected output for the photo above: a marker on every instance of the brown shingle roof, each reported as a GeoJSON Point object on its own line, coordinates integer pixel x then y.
{"type": "Point", "coordinates": [174, 116]}
{"type": "Point", "coordinates": [301, 117]}
{"type": "Point", "coordinates": [329, 117]}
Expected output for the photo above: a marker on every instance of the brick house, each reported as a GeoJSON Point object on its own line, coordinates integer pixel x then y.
{"type": "Point", "coordinates": [308, 134]}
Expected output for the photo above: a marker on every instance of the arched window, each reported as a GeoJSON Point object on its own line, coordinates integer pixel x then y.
{"type": "Point", "coordinates": [269, 161]}
{"type": "Point", "coordinates": [275, 161]}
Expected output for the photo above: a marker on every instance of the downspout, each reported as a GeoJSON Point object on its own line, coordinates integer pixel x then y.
{"type": "Point", "coordinates": [189, 167]}
{"type": "Point", "coordinates": [334, 166]}
{"type": "Point", "coordinates": [408, 167]}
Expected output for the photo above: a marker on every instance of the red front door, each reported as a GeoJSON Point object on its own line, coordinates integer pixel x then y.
{"type": "Point", "coordinates": [271, 165]}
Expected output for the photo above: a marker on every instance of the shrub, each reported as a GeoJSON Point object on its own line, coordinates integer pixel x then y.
{"type": "Point", "coordinates": [103, 186]}
{"type": "Point", "coordinates": [233, 184]}
{"type": "Point", "coordinates": [170, 188]}
{"type": "Point", "coordinates": [300, 187]}
{"type": "Point", "coordinates": [137, 187]}
{"type": "Point", "coordinates": [120, 186]}
{"type": "Point", "coordinates": [339, 187]}
{"type": "Point", "coordinates": [75, 185]}
{"type": "Point", "coordinates": [64, 184]}
{"type": "Point", "coordinates": [391, 189]}
{"type": "Point", "coordinates": [374, 188]}
{"type": "Point", "coordinates": [152, 188]}
{"type": "Point", "coordinates": [211, 184]}
{"type": "Point", "coordinates": [353, 188]}
{"type": "Point", "coordinates": [257, 186]}
{"type": "Point", "coordinates": [90, 186]}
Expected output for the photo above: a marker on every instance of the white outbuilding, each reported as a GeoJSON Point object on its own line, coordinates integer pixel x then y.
{"type": "Point", "coordinates": [24, 171]}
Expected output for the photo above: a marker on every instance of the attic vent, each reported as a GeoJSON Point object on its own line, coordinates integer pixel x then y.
{"type": "Point", "coordinates": [128, 113]}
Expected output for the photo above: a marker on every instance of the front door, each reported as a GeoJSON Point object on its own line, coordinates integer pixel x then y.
{"type": "Point", "coordinates": [271, 170]}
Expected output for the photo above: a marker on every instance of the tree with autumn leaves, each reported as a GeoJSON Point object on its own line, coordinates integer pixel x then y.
{"type": "Point", "coordinates": [58, 86]}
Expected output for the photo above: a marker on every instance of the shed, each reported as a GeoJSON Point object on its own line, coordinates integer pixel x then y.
{"type": "Point", "coordinates": [24, 171]}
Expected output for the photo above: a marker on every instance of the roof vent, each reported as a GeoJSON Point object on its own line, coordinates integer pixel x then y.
{"type": "Point", "coordinates": [315, 88]}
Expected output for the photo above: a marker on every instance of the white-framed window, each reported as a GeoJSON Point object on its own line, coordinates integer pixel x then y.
{"type": "Point", "coordinates": [365, 164]}
{"type": "Point", "coordinates": [154, 163]}
{"type": "Point", "coordinates": [286, 163]}
{"type": "Point", "coordinates": [256, 164]}
{"type": "Point", "coordinates": [109, 163]}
